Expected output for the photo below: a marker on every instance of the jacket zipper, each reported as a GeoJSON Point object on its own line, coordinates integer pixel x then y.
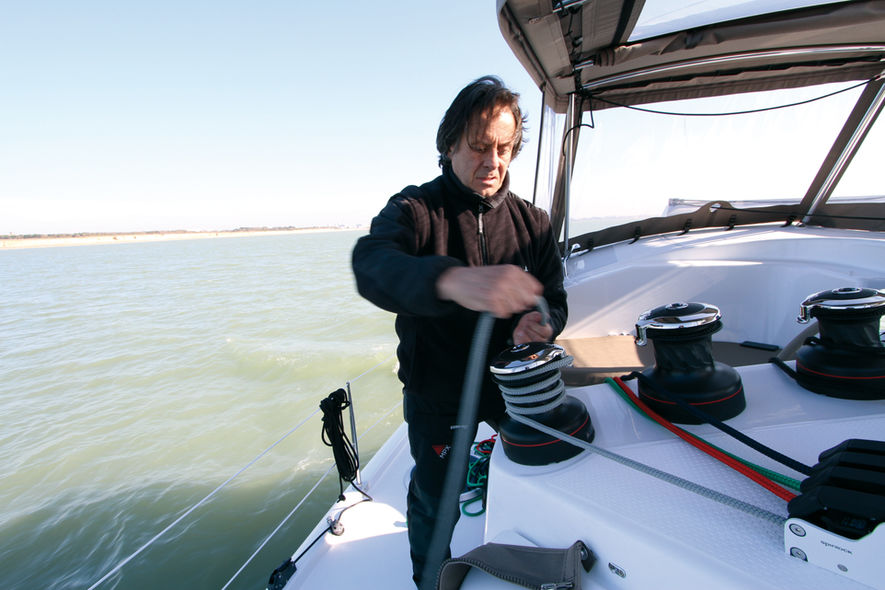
{"type": "Point", "coordinates": [482, 237]}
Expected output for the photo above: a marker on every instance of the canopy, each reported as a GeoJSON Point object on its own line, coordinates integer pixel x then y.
{"type": "Point", "coordinates": [584, 47]}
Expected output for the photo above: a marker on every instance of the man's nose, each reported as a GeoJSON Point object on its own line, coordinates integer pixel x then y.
{"type": "Point", "coordinates": [491, 158]}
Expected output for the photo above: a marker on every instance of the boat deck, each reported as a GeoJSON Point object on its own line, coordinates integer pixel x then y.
{"type": "Point", "coordinates": [639, 524]}
{"type": "Point", "coordinates": [373, 552]}
{"type": "Point", "coordinates": [655, 534]}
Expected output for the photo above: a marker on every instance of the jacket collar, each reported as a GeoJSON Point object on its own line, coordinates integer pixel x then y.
{"type": "Point", "coordinates": [489, 202]}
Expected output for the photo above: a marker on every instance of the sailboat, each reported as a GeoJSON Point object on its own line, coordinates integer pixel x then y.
{"type": "Point", "coordinates": [726, 350]}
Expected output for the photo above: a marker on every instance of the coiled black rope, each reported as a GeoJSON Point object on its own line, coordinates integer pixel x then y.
{"type": "Point", "coordinates": [348, 463]}
{"type": "Point", "coordinates": [343, 451]}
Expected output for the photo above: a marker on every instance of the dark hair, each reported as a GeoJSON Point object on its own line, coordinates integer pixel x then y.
{"type": "Point", "coordinates": [483, 95]}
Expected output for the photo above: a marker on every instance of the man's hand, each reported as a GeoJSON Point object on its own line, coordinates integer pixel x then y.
{"type": "Point", "coordinates": [502, 290]}
{"type": "Point", "coordinates": [530, 329]}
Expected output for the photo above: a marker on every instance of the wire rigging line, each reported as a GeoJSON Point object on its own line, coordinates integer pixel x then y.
{"type": "Point", "coordinates": [294, 510]}
{"type": "Point", "coordinates": [729, 113]}
{"type": "Point", "coordinates": [279, 526]}
{"type": "Point", "coordinates": [120, 565]}
{"type": "Point", "coordinates": [367, 371]}
{"type": "Point", "coordinates": [211, 494]}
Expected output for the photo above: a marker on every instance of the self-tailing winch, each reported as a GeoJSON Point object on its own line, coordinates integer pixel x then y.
{"type": "Point", "coordinates": [531, 383]}
{"type": "Point", "coordinates": [684, 365]}
{"type": "Point", "coordinates": [848, 359]}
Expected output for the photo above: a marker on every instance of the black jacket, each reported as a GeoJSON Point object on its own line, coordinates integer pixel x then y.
{"type": "Point", "coordinates": [419, 234]}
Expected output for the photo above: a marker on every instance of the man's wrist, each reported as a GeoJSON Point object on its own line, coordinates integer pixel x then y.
{"type": "Point", "coordinates": [445, 282]}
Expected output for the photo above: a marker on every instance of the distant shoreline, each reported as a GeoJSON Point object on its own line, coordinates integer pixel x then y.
{"type": "Point", "coordinates": [59, 240]}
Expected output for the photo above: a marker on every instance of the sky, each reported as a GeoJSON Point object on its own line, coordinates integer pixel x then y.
{"type": "Point", "coordinates": [212, 115]}
{"type": "Point", "coordinates": [205, 115]}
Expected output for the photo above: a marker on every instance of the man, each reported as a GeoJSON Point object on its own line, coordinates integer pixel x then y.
{"type": "Point", "coordinates": [438, 254]}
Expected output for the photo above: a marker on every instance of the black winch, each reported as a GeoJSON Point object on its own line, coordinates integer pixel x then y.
{"type": "Point", "coordinates": [848, 359]}
{"type": "Point", "coordinates": [682, 334]}
{"type": "Point", "coordinates": [531, 384]}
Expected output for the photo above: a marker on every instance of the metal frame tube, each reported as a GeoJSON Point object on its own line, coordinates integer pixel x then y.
{"type": "Point", "coordinates": [570, 129]}
{"type": "Point", "coordinates": [353, 437]}
{"type": "Point", "coordinates": [822, 51]}
{"type": "Point", "coordinates": [849, 149]}
{"type": "Point", "coordinates": [540, 145]}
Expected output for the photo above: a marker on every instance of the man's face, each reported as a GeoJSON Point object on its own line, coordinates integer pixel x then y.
{"type": "Point", "coordinates": [482, 154]}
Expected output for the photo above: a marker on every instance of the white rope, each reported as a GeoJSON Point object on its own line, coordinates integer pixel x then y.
{"type": "Point", "coordinates": [525, 400]}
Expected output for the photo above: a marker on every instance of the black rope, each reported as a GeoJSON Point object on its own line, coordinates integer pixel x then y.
{"type": "Point", "coordinates": [590, 125]}
{"type": "Point", "coordinates": [346, 459]}
{"type": "Point", "coordinates": [574, 128]}
{"type": "Point", "coordinates": [753, 444]}
{"type": "Point", "coordinates": [730, 113]}
{"type": "Point", "coordinates": [784, 367]}
{"type": "Point", "coordinates": [348, 465]}
{"type": "Point", "coordinates": [281, 576]}
{"type": "Point", "coordinates": [293, 561]}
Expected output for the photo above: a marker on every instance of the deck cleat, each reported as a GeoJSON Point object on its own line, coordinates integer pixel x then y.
{"type": "Point", "coordinates": [838, 521]}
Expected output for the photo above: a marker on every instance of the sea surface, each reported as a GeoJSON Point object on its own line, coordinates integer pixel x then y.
{"type": "Point", "coordinates": [135, 379]}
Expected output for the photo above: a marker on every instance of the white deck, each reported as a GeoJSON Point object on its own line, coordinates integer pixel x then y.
{"type": "Point", "coordinates": [659, 535]}
{"type": "Point", "coordinates": [757, 276]}
{"type": "Point", "coordinates": [373, 552]}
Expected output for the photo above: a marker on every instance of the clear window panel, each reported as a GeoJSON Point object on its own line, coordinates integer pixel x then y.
{"type": "Point", "coordinates": [660, 17]}
{"type": "Point", "coordinates": [634, 165]}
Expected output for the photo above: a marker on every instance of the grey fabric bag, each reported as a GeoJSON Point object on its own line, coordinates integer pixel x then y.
{"type": "Point", "coordinates": [531, 567]}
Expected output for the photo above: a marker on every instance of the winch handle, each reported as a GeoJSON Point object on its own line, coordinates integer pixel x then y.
{"type": "Point", "coordinates": [542, 306]}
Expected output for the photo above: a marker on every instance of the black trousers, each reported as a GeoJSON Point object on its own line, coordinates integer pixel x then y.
{"type": "Point", "coordinates": [430, 441]}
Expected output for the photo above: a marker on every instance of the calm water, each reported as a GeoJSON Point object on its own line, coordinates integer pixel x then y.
{"type": "Point", "coordinates": [136, 378]}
